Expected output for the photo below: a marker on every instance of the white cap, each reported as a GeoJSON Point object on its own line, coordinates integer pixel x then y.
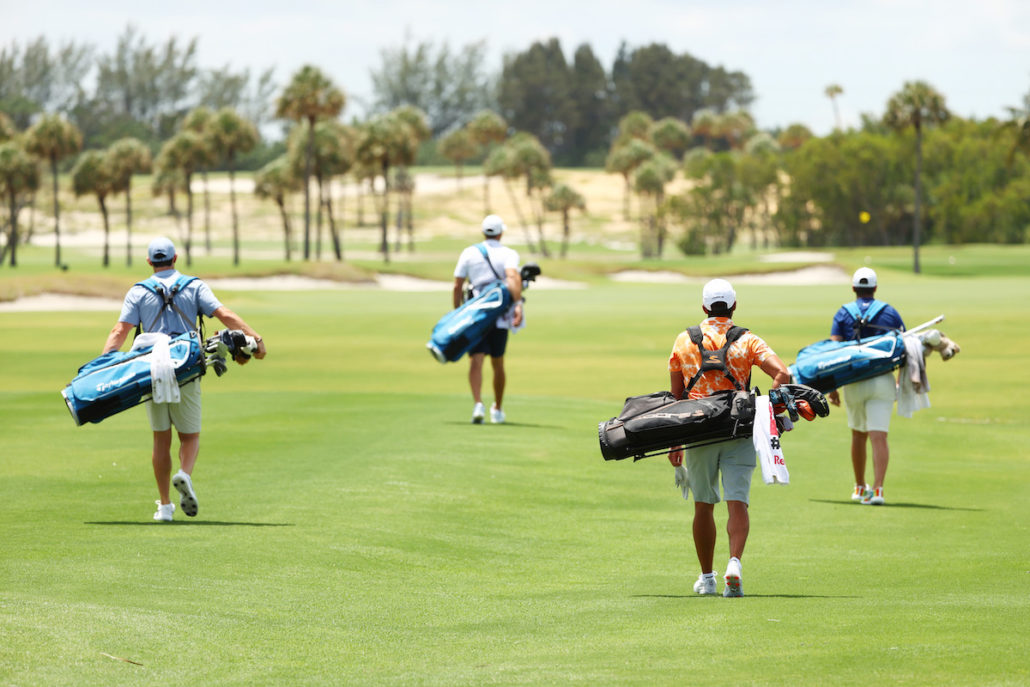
{"type": "Point", "coordinates": [493, 225]}
{"type": "Point", "coordinates": [864, 278]}
{"type": "Point", "coordinates": [718, 290]}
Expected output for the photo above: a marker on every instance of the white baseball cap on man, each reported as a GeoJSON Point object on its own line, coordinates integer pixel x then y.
{"type": "Point", "coordinates": [160, 249]}
{"type": "Point", "coordinates": [718, 290]}
{"type": "Point", "coordinates": [865, 278]}
{"type": "Point", "coordinates": [493, 226]}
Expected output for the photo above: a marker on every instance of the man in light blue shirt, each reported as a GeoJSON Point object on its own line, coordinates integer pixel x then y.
{"type": "Point", "coordinates": [146, 308]}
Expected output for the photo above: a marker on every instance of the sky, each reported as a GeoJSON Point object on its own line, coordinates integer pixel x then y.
{"type": "Point", "coordinates": [976, 52]}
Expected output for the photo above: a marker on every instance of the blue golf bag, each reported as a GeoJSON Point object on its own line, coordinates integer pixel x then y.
{"type": "Point", "coordinates": [828, 365]}
{"type": "Point", "coordinates": [116, 381]}
{"type": "Point", "coordinates": [462, 328]}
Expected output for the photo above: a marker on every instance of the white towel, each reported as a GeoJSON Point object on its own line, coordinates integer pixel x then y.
{"type": "Point", "coordinates": [767, 444]}
{"type": "Point", "coordinates": [162, 371]}
{"type": "Point", "coordinates": [913, 385]}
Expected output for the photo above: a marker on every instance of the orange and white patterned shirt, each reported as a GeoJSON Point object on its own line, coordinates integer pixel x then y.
{"type": "Point", "coordinates": [748, 351]}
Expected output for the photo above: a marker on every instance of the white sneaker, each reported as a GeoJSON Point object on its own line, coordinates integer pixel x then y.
{"type": "Point", "coordinates": [164, 511]}
{"type": "Point", "coordinates": [873, 497]}
{"type": "Point", "coordinates": [496, 414]}
{"type": "Point", "coordinates": [859, 493]}
{"type": "Point", "coordinates": [478, 413]}
{"type": "Point", "coordinates": [184, 485]}
{"type": "Point", "coordinates": [705, 586]}
{"type": "Point", "coordinates": [732, 579]}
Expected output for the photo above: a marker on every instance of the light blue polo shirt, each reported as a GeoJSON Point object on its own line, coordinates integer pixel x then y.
{"type": "Point", "coordinates": [141, 306]}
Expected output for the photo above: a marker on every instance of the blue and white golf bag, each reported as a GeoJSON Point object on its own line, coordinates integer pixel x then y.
{"type": "Point", "coordinates": [462, 328]}
{"type": "Point", "coordinates": [117, 381]}
{"type": "Point", "coordinates": [828, 365]}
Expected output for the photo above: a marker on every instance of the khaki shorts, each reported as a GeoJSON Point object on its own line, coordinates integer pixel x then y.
{"type": "Point", "coordinates": [734, 459]}
{"type": "Point", "coordinates": [870, 403]}
{"type": "Point", "coordinates": [185, 414]}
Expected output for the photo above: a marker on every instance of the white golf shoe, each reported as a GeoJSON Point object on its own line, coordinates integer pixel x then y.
{"type": "Point", "coordinates": [478, 413]}
{"type": "Point", "coordinates": [496, 414]}
{"type": "Point", "coordinates": [873, 497]}
{"type": "Point", "coordinates": [164, 511]}
{"type": "Point", "coordinates": [859, 493]}
{"type": "Point", "coordinates": [184, 485]}
{"type": "Point", "coordinates": [705, 586]}
{"type": "Point", "coordinates": [732, 579]}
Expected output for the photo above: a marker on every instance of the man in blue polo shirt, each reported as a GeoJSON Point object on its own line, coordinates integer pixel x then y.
{"type": "Point", "coordinates": [870, 402]}
{"type": "Point", "coordinates": [145, 308]}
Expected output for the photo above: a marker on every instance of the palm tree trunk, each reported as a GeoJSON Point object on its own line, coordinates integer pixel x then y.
{"type": "Point", "coordinates": [318, 218]}
{"type": "Point", "coordinates": [12, 244]}
{"type": "Point", "coordinates": [207, 214]}
{"type": "Point", "coordinates": [486, 193]}
{"type": "Point", "coordinates": [308, 155]}
{"type": "Point", "coordinates": [625, 198]}
{"type": "Point", "coordinates": [410, 221]}
{"type": "Point", "coordinates": [565, 232]}
{"type": "Point", "coordinates": [107, 231]}
{"type": "Point", "coordinates": [128, 224]}
{"type": "Point", "coordinates": [286, 227]}
{"type": "Point", "coordinates": [384, 215]}
{"type": "Point", "coordinates": [337, 246]}
{"type": "Point", "coordinates": [57, 214]}
{"type": "Point", "coordinates": [539, 213]}
{"type": "Point", "coordinates": [189, 222]}
{"type": "Point", "coordinates": [235, 219]}
{"type": "Point", "coordinates": [916, 220]}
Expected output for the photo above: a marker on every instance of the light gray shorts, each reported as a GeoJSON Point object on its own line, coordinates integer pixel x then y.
{"type": "Point", "coordinates": [735, 460]}
{"type": "Point", "coordinates": [870, 403]}
{"type": "Point", "coordinates": [185, 414]}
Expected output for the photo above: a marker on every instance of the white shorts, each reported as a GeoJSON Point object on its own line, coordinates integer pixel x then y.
{"type": "Point", "coordinates": [735, 460]}
{"type": "Point", "coordinates": [870, 403]}
{"type": "Point", "coordinates": [185, 414]}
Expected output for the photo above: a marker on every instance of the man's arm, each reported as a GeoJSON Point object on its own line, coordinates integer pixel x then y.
{"type": "Point", "coordinates": [233, 321]}
{"type": "Point", "coordinates": [459, 284]}
{"type": "Point", "coordinates": [117, 336]}
{"type": "Point", "coordinates": [515, 289]}
{"type": "Point", "coordinates": [775, 368]}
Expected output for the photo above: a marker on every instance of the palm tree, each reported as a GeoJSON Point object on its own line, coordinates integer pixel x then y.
{"type": "Point", "coordinates": [126, 157]}
{"type": "Point", "coordinates": [671, 135]}
{"type": "Point", "coordinates": [501, 163]}
{"type": "Point", "coordinates": [486, 128]}
{"type": "Point", "coordinates": [916, 104]}
{"type": "Point", "coordinates": [382, 142]}
{"type": "Point", "coordinates": [418, 125]}
{"type": "Point", "coordinates": [832, 91]}
{"type": "Point", "coordinates": [230, 134]}
{"type": "Point", "coordinates": [93, 174]}
{"type": "Point", "coordinates": [310, 96]}
{"type": "Point", "coordinates": [649, 180]}
{"type": "Point", "coordinates": [198, 120]}
{"type": "Point", "coordinates": [705, 126]}
{"type": "Point", "coordinates": [187, 152]}
{"type": "Point", "coordinates": [565, 199]}
{"type": "Point", "coordinates": [168, 181]}
{"type": "Point", "coordinates": [624, 159]}
{"type": "Point", "coordinates": [274, 181]}
{"type": "Point", "coordinates": [459, 148]}
{"type": "Point", "coordinates": [19, 174]}
{"type": "Point", "coordinates": [54, 138]}
{"type": "Point", "coordinates": [333, 155]}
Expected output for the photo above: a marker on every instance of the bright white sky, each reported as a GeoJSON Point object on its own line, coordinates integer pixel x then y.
{"type": "Point", "coordinates": [976, 52]}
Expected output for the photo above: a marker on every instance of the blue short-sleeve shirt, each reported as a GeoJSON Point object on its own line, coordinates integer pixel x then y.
{"type": "Point", "coordinates": [141, 306]}
{"type": "Point", "coordinates": [884, 321]}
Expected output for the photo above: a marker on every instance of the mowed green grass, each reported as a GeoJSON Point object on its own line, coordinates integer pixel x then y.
{"type": "Point", "coordinates": [355, 529]}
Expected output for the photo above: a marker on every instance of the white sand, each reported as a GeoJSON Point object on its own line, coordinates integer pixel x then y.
{"type": "Point", "coordinates": [819, 274]}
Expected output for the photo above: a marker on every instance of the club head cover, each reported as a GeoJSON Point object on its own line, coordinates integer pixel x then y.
{"type": "Point", "coordinates": [815, 399]}
{"type": "Point", "coordinates": [805, 410]}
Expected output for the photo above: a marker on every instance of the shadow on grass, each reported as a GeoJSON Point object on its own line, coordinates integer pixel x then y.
{"type": "Point", "coordinates": [509, 424]}
{"type": "Point", "coordinates": [191, 523]}
{"type": "Point", "coordinates": [893, 504]}
{"type": "Point", "coordinates": [747, 596]}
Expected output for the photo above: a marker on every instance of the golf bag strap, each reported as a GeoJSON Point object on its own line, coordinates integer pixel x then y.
{"type": "Point", "coordinates": [862, 321]}
{"type": "Point", "coordinates": [714, 360]}
{"type": "Point", "coordinates": [168, 295]}
{"type": "Point", "coordinates": [486, 256]}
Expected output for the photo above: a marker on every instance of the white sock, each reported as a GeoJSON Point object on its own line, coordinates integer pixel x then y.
{"type": "Point", "coordinates": [734, 558]}
{"type": "Point", "coordinates": [708, 575]}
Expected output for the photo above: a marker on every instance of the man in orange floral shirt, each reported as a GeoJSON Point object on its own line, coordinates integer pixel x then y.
{"type": "Point", "coordinates": [699, 374]}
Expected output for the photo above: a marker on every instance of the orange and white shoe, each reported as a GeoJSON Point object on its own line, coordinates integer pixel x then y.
{"type": "Point", "coordinates": [873, 497]}
{"type": "Point", "coordinates": [859, 493]}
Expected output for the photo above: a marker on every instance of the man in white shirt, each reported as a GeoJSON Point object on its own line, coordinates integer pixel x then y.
{"type": "Point", "coordinates": [482, 264]}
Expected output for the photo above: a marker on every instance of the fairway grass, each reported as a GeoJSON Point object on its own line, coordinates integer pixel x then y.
{"type": "Point", "coordinates": [354, 528]}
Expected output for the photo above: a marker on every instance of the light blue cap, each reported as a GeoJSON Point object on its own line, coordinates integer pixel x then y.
{"type": "Point", "coordinates": [161, 249]}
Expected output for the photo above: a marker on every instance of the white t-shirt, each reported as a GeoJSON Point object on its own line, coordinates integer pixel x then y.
{"type": "Point", "coordinates": [473, 267]}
